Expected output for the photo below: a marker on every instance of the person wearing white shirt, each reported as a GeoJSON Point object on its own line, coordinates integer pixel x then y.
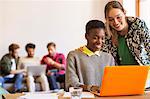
{"type": "Point", "coordinates": [8, 70]}
{"type": "Point", "coordinates": [31, 60]}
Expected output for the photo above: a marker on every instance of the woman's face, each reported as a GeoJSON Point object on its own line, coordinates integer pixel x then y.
{"type": "Point", "coordinates": [95, 39]}
{"type": "Point", "coordinates": [116, 18]}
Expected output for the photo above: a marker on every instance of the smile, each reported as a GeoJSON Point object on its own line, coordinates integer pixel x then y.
{"type": "Point", "coordinates": [117, 26]}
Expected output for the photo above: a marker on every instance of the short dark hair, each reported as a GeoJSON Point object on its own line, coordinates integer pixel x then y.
{"type": "Point", "coordinates": [94, 24]}
{"type": "Point", "coordinates": [30, 45]}
{"type": "Point", "coordinates": [13, 47]}
{"type": "Point", "coordinates": [51, 44]}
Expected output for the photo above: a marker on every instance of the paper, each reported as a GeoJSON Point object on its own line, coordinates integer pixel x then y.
{"type": "Point", "coordinates": [147, 83]}
{"type": "Point", "coordinates": [39, 96]}
{"type": "Point", "coordinates": [85, 95]}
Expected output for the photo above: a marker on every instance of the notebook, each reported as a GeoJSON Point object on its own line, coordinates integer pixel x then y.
{"type": "Point", "coordinates": [123, 80]}
{"type": "Point", "coordinates": [36, 70]}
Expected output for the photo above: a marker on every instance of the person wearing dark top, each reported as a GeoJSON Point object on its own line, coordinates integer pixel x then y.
{"type": "Point", "coordinates": [8, 66]}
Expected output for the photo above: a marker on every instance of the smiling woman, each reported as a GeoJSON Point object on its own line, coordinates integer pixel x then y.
{"type": "Point", "coordinates": [85, 65]}
{"type": "Point", "coordinates": [127, 38]}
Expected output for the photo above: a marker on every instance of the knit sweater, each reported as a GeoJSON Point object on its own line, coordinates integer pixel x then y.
{"type": "Point", "coordinates": [84, 69]}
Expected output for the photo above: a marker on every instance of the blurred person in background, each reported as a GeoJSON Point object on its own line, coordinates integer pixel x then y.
{"type": "Point", "coordinates": [8, 66]}
{"type": "Point", "coordinates": [31, 60]}
{"type": "Point", "coordinates": [56, 64]}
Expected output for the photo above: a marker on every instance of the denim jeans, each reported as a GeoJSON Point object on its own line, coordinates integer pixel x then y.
{"type": "Point", "coordinates": [17, 79]}
{"type": "Point", "coordinates": [52, 82]}
{"type": "Point", "coordinates": [53, 79]}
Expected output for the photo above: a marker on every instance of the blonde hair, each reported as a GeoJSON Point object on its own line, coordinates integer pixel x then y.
{"type": "Point", "coordinates": [110, 31]}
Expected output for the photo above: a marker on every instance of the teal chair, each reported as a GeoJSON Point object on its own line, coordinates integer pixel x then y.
{"type": "Point", "coordinates": [3, 91]}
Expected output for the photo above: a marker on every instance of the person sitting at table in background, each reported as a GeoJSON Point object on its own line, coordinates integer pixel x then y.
{"type": "Point", "coordinates": [30, 60]}
{"type": "Point", "coordinates": [86, 64]}
{"type": "Point", "coordinates": [56, 64]}
{"type": "Point", "coordinates": [8, 68]}
{"type": "Point", "coordinates": [127, 38]}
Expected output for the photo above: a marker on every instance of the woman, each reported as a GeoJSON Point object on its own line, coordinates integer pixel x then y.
{"type": "Point", "coordinates": [127, 38]}
{"type": "Point", "coordinates": [85, 66]}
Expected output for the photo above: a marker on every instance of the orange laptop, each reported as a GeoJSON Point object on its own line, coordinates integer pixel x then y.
{"type": "Point", "coordinates": [123, 80]}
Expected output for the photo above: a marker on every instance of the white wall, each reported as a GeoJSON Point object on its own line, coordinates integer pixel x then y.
{"type": "Point", "coordinates": [130, 7]}
{"type": "Point", "coordinates": [144, 11]}
{"type": "Point", "coordinates": [1, 27]}
{"type": "Point", "coordinates": [42, 21]}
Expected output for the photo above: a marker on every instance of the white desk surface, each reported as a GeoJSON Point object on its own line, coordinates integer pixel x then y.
{"type": "Point", "coordinates": [55, 96]}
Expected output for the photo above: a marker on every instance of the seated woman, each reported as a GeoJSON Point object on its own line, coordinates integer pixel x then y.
{"type": "Point", "coordinates": [85, 66]}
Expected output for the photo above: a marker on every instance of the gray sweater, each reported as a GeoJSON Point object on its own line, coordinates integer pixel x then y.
{"type": "Point", "coordinates": [84, 69]}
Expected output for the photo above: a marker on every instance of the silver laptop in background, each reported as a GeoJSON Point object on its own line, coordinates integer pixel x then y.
{"type": "Point", "coordinates": [36, 70]}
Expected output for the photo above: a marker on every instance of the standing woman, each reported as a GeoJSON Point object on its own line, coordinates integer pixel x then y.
{"type": "Point", "coordinates": [127, 38]}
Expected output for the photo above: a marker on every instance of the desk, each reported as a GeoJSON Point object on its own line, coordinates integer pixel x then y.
{"type": "Point", "coordinates": [145, 96]}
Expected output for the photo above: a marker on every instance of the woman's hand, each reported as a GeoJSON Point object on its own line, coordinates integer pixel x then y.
{"type": "Point", "coordinates": [89, 88]}
{"type": "Point", "coordinates": [95, 88]}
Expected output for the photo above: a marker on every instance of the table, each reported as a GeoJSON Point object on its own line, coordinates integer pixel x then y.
{"type": "Point", "coordinates": [87, 94]}
{"type": "Point", "coordinates": [145, 96]}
